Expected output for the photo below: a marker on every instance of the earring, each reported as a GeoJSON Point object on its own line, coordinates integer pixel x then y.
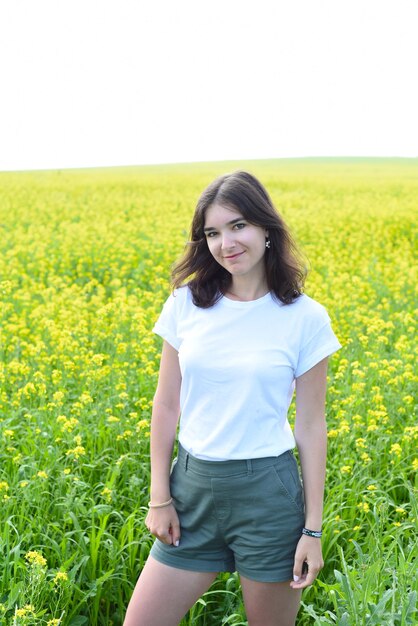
{"type": "Point", "coordinates": [267, 243]}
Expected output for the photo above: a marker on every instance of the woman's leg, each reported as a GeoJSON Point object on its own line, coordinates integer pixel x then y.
{"type": "Point", "coordinates": [270, 604]}
{"type": "Point", "coordinates": [164, 594]}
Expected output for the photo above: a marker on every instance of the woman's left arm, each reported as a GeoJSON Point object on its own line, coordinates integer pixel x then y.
{"type": "Point", "coordinates": [311, 440]}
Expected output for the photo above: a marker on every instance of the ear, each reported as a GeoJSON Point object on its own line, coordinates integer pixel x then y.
{"type": "Point", "coordinates": [267, 232]}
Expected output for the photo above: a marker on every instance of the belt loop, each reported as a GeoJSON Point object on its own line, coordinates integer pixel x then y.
{"type": "Point", "coordinates": [249, 467]}
{"type": "Point", "coordinates": [186, 463]}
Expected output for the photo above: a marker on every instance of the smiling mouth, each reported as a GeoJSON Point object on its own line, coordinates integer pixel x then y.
{"type": "Point", "coordinates": [233, 256]}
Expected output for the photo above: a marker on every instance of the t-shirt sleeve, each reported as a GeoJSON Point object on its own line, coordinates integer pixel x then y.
{"type": "Point", "coordinates": [319, 341]}
{"type": "Point", "coordinates": [166, 324]}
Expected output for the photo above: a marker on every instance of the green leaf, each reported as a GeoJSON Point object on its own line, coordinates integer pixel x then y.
{"type": "Point", "coordinates": [14, 594]}
{"type": "Point", "coordinates": [79, 620]}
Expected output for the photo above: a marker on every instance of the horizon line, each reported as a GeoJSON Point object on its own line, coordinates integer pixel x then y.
{"type": "Point", "coordinates": [207, 162]}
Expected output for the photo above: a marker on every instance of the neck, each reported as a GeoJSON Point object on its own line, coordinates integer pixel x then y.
{"type": "Point", "coordinates": [245, 292]}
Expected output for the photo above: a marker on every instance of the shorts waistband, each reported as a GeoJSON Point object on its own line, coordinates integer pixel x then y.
{"type": "Point", "coordinates": [227, 468]}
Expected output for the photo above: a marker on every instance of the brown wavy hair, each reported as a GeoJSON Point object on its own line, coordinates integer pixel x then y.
{"type": "Point", "coordinates": [207, 280]}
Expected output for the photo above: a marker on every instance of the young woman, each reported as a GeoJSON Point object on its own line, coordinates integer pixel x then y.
{"type": "Point", "coordinates": [239, 337]}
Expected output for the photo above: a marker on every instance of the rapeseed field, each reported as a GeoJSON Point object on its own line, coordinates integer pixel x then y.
{"type": "Point", "coordinates": [85, 257]}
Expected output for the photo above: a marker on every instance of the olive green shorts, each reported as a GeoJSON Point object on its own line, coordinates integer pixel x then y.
{"type": "Point", "coordinates": [244, 516]}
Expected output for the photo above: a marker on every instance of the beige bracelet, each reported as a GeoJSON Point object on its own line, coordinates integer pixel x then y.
{"type": "Point", "coordinates": [160, 506]}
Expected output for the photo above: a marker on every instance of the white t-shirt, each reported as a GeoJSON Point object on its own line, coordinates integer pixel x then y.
{"type": "Point", "coordinates": [238, 362]}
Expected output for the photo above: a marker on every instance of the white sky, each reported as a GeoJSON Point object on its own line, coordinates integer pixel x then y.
{"type": "Point", "coordinates": [123, 82]}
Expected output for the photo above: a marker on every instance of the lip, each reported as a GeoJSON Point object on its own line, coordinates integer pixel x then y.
{"type": "Point", "coordinates": [233, 256]}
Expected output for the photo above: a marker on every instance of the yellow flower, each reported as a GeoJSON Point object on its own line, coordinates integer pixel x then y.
{"type": "Point", "coordinates": [68, 425]}
{"type": "Point", "coordinates": [86, 398]}
{"type": "Point", "coordinates": [107, 494]}
{"type": "Point", "coordinates": [28, 609]}
{"type": "Point", "coordinates": [42, 474]}
{"type": "Point", "coordinates": [356, 527]}
{"type": "Point", "coordinates": [400, 510]}
{"type": "Point", "coordinates": [364, 506]}
{"type": "Point", "coordinates": [53, 622]}
{"type": "Point", "coordinates": [76, 452]}
{"type": "Point", "coordinates": [333, 433]}
{"type": "Point", "coordinates": [410, 432]}
{"type": "Point", "coordinates": [97, 359]}
{"type": "Point", "coordinates": [6, 287]}
{"type": "Point", "coordinates": [125, 435]}
{"type": "Point", "coordinates": [28, 390]}
{"type": "Point", "coordinates": [371, 488]}
{"type": "Point", "coordinates": [66, 471]}
{"type": "Point", "coordinates": [35, 558]}
{"type": "Point", "coordinates": [346, 469]}
{"type": "Point", "coordinates": [4, 486]}
{"type": "Point", "coordinates": [396, 449]}
{"type": "Point", "coordinates": [358, 386]}
{"type": "Point", "coordinates": [60, 577]}
{"type": "Point", "coordinates": [415, 464]}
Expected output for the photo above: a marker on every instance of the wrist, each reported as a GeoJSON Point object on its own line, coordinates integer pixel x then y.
{"type": "Point", "coordinates": [159, 505]}
{"type": "Point", "coordinates": [309, 532]}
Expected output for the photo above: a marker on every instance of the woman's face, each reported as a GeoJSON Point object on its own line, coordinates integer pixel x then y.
{"type": "Point", "coordinates": [235, 243]}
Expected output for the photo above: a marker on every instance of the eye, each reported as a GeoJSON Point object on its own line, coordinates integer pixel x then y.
{"type": "Point", "coordinates": [210, 234]}
{"type": "Point", "coordinates": [239, 226]}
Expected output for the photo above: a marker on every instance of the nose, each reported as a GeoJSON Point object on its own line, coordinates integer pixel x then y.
{"type": "Point", "coordinates": [227, 241]}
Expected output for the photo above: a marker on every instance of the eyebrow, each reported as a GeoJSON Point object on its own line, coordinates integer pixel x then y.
{"type": "Point", "coordinates": [238, 219]}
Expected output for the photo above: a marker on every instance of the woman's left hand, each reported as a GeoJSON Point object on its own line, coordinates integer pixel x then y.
{"type": "Point", "coordinates": [309, 552]}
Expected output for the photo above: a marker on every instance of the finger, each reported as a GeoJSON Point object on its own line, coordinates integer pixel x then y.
{"type": "Point", "coordinates": [165, 537]}
{"type": "Point", "coordinates": [306, 579]}
{"type": "Point", "coordinates": [297, 568]}
{"type": "Point", "coordinates": [310, 578]}
{"type": "Point", "coordinates": [162, 533]}
{"type": "Point", "coordinates": [175, 533]}
{"type": "Point", "coordinates": [300, 571]}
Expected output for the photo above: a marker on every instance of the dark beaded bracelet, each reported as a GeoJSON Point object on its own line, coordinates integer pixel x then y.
{"type": "Point", "coordinates": [312, 533]}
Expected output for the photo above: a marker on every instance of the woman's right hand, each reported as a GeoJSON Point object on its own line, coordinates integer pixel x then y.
{"type": "Point", "coordinates": [164, 524]}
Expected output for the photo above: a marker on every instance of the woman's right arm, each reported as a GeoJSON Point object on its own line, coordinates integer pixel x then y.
{"type": "Point", "coordinates": [163, 522]}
